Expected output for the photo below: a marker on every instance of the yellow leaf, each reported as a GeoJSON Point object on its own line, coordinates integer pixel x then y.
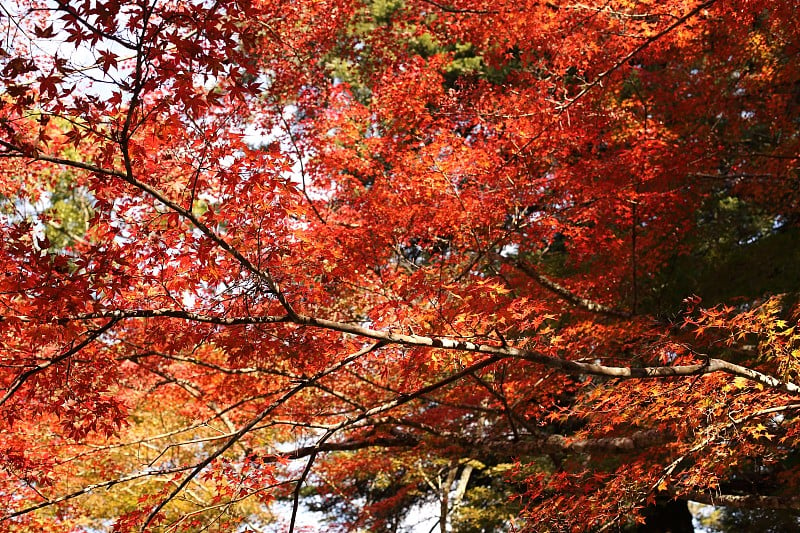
{"type": "Point", "coordinates": [741, 383]}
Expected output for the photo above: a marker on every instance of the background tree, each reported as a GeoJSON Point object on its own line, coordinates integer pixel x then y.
{"type": "Point", "coordinates": [396, 253]}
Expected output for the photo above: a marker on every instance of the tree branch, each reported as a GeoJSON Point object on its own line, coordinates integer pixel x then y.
{"type": "Point", "coordinates": [744, 501]}
{"type": "Point", "coordinates": [298, 453]}
{"type": "Point", "coordinates": [637, 440]}
{"type": "Point", "coordinates": [89, 488]}
{"type": "Point", "coordinates": [250, 425]}
{"type": "Point", "coordinates": [450, 9]}
{"type": "Point", "coordinates": [306, 470]}
{"type": "Point", "coordinates": [600, 77]}
{"type": "Point", "coordinates": [180, 314]}
{"type": "Point", "coordinates": [565, 365]}
{"type": "Point", "coordinates": [25, 376]}
{"type": "Point", "coordinates": [64, 6]}
{"type": "Point", "coordinates": [569, 296]}
{"type": "Point", "coordinates": [129, 178]}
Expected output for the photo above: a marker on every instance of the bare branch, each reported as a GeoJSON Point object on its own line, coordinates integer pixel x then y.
{"type": "Point", "coordinates": [296, 496]}
{"type": "Point", "coordinates": [89, 488]}
{"type": "Point", "coordinates": [565, 365]}
{"type": "Point", "coordinates": [250, 425]}
{"type": "Point", "coordinates": [637, 440]}
{"type": "Point", "coordinates": [175, 313]}
{"type": "Point", "coordinates": [745, 501]}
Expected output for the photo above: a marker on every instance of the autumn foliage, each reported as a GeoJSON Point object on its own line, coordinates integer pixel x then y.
{"type": "Point", "coordinates": [525, 264]}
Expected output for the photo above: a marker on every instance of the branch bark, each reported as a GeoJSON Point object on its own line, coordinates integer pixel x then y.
{"type": "Point", "coordinates": [569, 296]}
{"type": "Point", "coordinates": [25, 376]}
{"type": "Point", "coordinates": [638, 440]}
{"type": "Point", "coordinates": [128, 176]}
{"type": "Point", "coordinates": [600, 77]}
{"type": "Point", "coordinates": [745, 501]}
{"type": "Point", "coordinates": [250, 425]}
{"type": "Point", "coordinates": [390, 337]}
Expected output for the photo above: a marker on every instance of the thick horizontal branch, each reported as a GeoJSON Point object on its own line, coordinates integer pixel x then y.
{"type": "Point", "coordinates": [565, 365]}
{"type": "Point", "coordinates": [638, 440]}
{"type": "Point", "coordinates": [391, 337]}
{"type": "Point", "coordinates": [528, 444]}
{"type": "Point", "coordinates": [177, 313]}
{"type": "Point", "coordinates": [745, 501]}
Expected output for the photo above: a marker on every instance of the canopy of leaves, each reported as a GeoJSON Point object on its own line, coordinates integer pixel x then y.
{"type": "Point", "coordinates": [528, 264]}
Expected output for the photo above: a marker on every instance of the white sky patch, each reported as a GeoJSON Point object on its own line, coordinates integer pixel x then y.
{"type": "Point", "coordinates": [510, 250]}
{"type": "Point", "coordinates": [308, 521]}
{"type": "Point", "coordinates": [422, 518]}
{"type": "Point", "coordinates": [83, 58]}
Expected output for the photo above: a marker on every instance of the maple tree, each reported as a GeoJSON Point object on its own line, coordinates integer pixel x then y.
{"type": "Point", "coordinates": [530, 256]}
